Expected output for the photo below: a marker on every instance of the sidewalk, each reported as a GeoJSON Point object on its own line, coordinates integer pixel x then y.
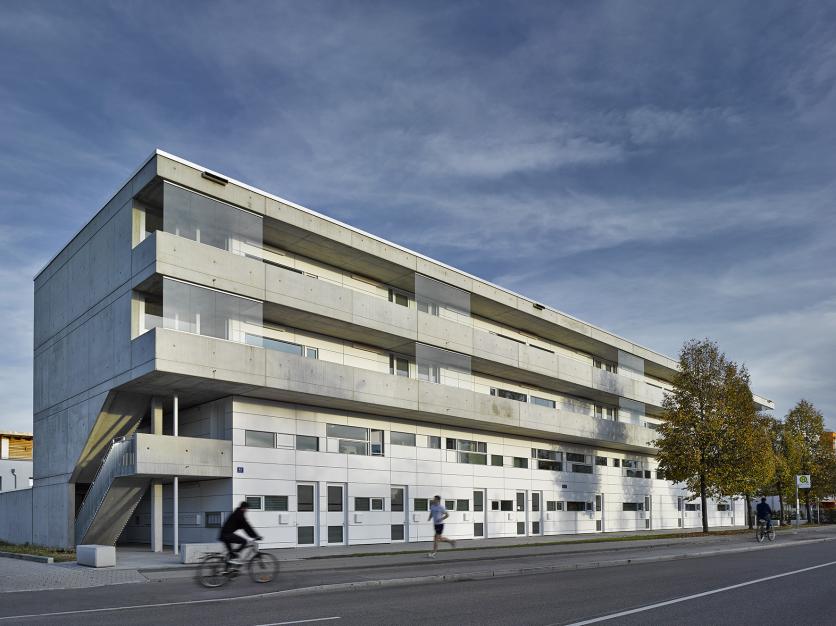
{"type": "Point", "coordinates": [317, 569]}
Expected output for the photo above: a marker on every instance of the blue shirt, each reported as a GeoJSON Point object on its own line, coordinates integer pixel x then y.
{"type": "Point", "coordinates": [438, 512]}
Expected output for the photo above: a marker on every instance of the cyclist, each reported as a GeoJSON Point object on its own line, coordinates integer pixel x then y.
{"type": "Point", "coordinates": [236, 521]}
{"type": "Point", "coordinates": [764, 512]}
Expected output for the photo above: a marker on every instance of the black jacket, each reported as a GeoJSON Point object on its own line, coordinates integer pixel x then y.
{"type": "Point", "coordinates": [237, 521]}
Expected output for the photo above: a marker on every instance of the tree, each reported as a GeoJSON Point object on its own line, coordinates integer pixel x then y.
{"type": "Point", "coordinates": [806, 452]}
{"type": "Point", "coordinates": [712, 437]}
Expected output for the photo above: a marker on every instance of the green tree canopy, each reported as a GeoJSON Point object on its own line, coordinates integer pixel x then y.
{"type": "Point", "coordinates": [713, 438]}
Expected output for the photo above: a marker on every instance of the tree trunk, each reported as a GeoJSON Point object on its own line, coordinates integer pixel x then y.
{"type": "Point", "coordinates": [749, 512]}
{"type": "Point", "coordinates": [807, 504]}
{"type": "Point", "coordinates": [704, 507]}
{"type": "Point", "coordinates": [781, 506]}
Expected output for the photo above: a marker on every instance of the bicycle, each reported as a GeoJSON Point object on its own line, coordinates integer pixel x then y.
{"type": "Point", "coordinates": [215, 570]}
{"type": "Point", "coordinates": [763, 530]}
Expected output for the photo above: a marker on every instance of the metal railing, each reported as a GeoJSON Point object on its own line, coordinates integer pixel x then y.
{"type": "Point", "coordinates": [120, 460]}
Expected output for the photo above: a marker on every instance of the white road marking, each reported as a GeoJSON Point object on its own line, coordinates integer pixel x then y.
{"type": "Point", "coordinates": [650, 607]}
{"type": "Point", "coordinates": [301, 621]}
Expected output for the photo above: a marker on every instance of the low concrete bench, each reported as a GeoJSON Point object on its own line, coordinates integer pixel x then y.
{"type": "Point", "coordinates": [193, 552]}
{"type": "Point", "coordinates": [96, 556]}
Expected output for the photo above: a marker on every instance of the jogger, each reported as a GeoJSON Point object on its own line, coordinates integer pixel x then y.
{"type": "Point", "coordinates": [438, 513]}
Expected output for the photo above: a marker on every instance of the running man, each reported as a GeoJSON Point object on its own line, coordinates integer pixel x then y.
{"type": "Point", "coordinates": [438, 513]}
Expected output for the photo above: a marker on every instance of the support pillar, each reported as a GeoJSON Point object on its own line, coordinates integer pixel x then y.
{"type": "Point", "coordinates": [156, 516]}
{"type": "Point", "coordinates": [176, 486]}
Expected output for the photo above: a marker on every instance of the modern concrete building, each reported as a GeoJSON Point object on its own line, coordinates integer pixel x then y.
{"type": "Point", "coordinates": [201, 342]}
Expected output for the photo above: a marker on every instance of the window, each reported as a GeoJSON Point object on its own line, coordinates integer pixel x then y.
{"type": "Point", "coordinates": [278, 345]}
{"type": "Point", "coordinates": [462, 505]}
{"type": "Point", "coordinates": [377, 504]}
{"type": "Point", "coordinates": [606, 412]}
{"type": "Point", "coordinates": [311, 353]}
{"type": "Point", "coordinates": [402, 439]}
{"type": "Point", "coordinates": [543, 402]}
{"type": "Point", "coordinates": [397, 498]}
{"type": "Point", "coordinates": [660, 475]}
{"type": "Point", "coordinates": [306, 442]}
{"type": "Point", "coordinates": [535, 528]}
{"type": "Point", "coordinates": [478, 501]}
{"type": "Point", "coordinates": [632, 506]}
{"type": "Point", "coordinates": [304, 498]}
{"type": "Point", "coordinates": [451, 444]}
{"type": "Point", "coordinates": [214, 519]}
{"type": "Point", "coordinates": [254, 502]}
{"type": "Point", "coordinates": [479, 529]}
{"type": "Point", "coordinates": [723, 506]}
{"type": "Point", "coordinates": [548, 459]}
{"type": "Point", "coordinates": [599, 503]}
{"type": "Point", "coordinates": [434, 442]}
{"type": "Point", "coordinates": [607, 366]}
{"type": "Point", "coordinates": [397, 533]}
{"type": "Point", "coordinates": [536, 347]}
{"type": "Point", "coordinates": [510, 395]}
{"type": "Point", "coordinates": [335, 534]}
{"type": "Point", "coordinates": [420, 504]}
{"type": "Point", "coordinates": [616, 462]}
{"type": "Point", "coordinates": [520, 502]}
{"type": "Point", "coordinates": [554, 505]}
{"type": "Point", "coordinates": [575, 458]}
{"type": "Point", "coordinates": [356, 440]}
{"type": "Point", "coordinates": [259, 439]}
{"type": "Point", "coordinates": [535, 501]}
{"type": "Point", "coordinates": [335, 499]}
{"type": "Point", "coordinates": [430, 373]}
{"type": "Point", "coordinates": [692, 506]}
{"type": "Point", "coordinates": [647, 473]}
{"type": "Point", "coordinates": [506, 505]}
{"type": "Point", "coordinates": [580, 468]}
{"type": "Point", "coordinates": [576, 506]}
{"type": "Point", "coordinates": [362, 504]}
{"type": "Point", "coordinates": [497, 460]}
{"type": "Point", "coordinates": [520, 462]}
{"type": "Point", "coordinates": [679, 504]}
{"type": "Point", "coordinates": [494, 505]}
{"type": "Point", "coordinates": [305, 535]}
{"type": "Point", "coordinates": [399, 366]}
{"type": "Point", "coordinates": [520, 528]}
{"type": "Point", "coordinates": [450, 505]}
{"type": "Point", "coordinates": [601, 460]}
{"type": "Point", "coordinates": [632, 464]}
{"type": "Point", "coordinates": [425, 306]}
{"type": "Point", "coordinates": [472, 452]}
{"type": "Point", "coordinates": [398, 297]}
{"type": "Point", "coordinates": [275, 503]}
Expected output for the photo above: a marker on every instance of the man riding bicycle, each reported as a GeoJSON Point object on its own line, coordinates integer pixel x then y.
{"type": "Point", "coordinates": [764, 512]}
{"type": "Point", "coordinates": [236, 521]}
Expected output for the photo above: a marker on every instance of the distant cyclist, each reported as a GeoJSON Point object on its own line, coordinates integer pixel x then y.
{"type": "Point", "coordinates": [237, 520]}
{"type": "Point", "coordinates": [764, 512]}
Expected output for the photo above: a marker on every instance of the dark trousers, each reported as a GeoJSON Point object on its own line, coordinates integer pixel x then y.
{"type": "Point", "coordinates": [230, 540]}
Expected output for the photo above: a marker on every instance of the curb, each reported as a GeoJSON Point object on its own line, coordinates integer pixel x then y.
{"type": "Point", "coordinates": [27, 557]}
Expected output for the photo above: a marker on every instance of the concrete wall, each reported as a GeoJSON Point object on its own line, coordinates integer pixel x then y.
{"type": "Point", "coordinates": [16, 516]}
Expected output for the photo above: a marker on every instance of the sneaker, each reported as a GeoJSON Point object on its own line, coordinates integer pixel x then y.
{"type": "Point", "coordinates": [431, 555]}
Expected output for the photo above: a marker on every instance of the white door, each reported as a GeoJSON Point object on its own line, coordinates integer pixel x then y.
{"type": "Point", "coordinates": [335, 514]}
{"type": "Point", "coordinates": [521, 512]}
{"type": "Point", "coordinates": [306, 514]}
{"type": "Point", "coordinates": [399, 530]}
{"type": "Point", "coordinates": [480, 527]}
{"type": "Point", "coordinates": [536, 513]}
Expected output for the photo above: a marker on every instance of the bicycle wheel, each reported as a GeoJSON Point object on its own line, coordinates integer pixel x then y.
{"type": "Point", "coordinates": [263, 567]}
{"type": "Point", "coordinates": [759, 533]}
{"type": "Point", "coordinates": [212, 571]}
{"type": "Point", "coordinates": [770, 533]}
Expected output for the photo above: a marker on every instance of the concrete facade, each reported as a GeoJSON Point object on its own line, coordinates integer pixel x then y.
{"type": "Point", "coordinates": [345, 378]}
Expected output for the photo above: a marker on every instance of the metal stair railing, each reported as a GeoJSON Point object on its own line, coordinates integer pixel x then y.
{"type": "Point", "coordinates": [120, 460]}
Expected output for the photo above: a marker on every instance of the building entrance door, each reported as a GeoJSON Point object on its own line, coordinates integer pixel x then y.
{"type": "Point", "coordinates": [480, 527]}
{"type": "Point", "coordinates": [399, 530]}
{"type": "Point", "coordinates": [536, 512]}
{"type": "Point", "coordinates": [335, 515]}
{"type": "Point", "coordinates": [521, 512]}
{"type": "Point", "coordinates": [306, 514]}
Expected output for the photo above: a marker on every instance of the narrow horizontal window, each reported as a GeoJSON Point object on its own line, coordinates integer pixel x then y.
{"type": "Point", "coordinates": [307, 442]}
{"type": "Point", "coordinates": [259, 439]}
{"type": "Point", "coordinates": [275, 503]}
{"type": "Point", "coordinates": [575, 458]}
{"type": "Point", "coordinates": [362, 504]}
{"type": "Point", "coordinates": [253, 503]}
{"type": "Point", "coordinates": [508, 394]}
{"type": "Point", "coordinates": [402, 439]}
{"type": "Point", "coordinates": [543, 402]}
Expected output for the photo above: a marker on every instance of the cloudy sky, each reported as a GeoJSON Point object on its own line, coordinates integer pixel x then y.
{"type": "Point", "coordinates": [664, 170]}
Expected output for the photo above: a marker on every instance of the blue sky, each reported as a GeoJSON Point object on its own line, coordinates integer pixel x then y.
{"type": "Point", "coordinates": [663, 170]}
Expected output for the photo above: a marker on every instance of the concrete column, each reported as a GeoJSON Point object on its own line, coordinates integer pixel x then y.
{"type": "Point", "coordinates": [156, 516]}
{"type": "Point", "coordinates": [156, 415]}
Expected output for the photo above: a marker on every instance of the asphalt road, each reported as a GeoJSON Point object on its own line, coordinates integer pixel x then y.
{"type": "Point", "coordinates": [556, 598]}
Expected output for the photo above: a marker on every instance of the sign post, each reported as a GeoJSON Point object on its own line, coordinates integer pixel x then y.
{"type": "Point", "coordinates": [802, 481]}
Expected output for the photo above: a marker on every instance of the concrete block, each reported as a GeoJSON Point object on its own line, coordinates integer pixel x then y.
{"type": "Point", "coordinates": [96, 556]}
{"type": "Point", "coordinates": [194, 552]}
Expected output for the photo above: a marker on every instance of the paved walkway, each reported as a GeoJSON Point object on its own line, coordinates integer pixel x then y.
{"type": "Point", "coordinates": [329, 566]}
